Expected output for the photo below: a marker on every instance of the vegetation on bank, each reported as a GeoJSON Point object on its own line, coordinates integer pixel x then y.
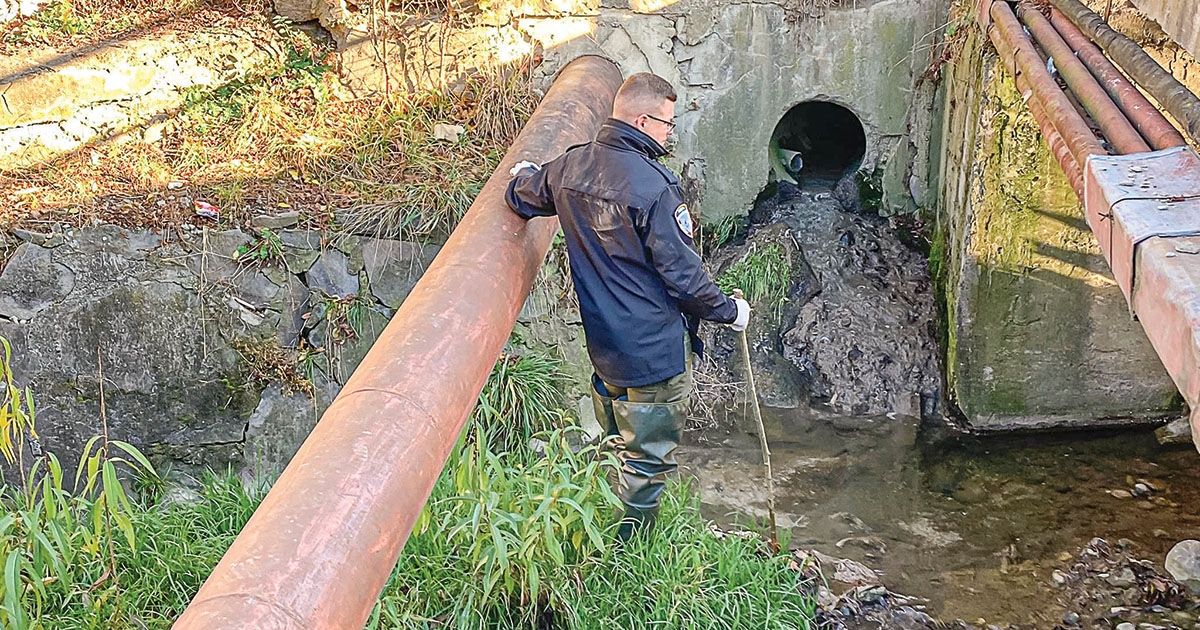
{"type": "Point", "coordinates": [764, 274]}
{"type": "Point", "coordinates": [287, 137]}
{"type": "Point", "coordinates": [513, 536]}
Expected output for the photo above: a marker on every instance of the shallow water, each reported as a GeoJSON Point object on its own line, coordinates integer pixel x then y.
{"type": "Point", "coordinates": [974, 524]}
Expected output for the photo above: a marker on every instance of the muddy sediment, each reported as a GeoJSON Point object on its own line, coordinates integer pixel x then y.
{"type": "Point", "coordinates": [856, 334]}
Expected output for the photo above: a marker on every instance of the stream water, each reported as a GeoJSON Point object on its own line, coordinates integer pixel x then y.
{"type": "Point", "coordinates": [974, 524]}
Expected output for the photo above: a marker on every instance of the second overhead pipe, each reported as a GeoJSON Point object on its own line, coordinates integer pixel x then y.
{"type": "Point", "coordinates": [1023, 61]}
{"type": "Point", "coordinates": [1157, 130]}
{"type": "Point", "coordinates": [1117, 129]}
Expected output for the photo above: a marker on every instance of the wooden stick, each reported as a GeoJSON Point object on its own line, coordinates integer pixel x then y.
{"type": "Point", "coordinates": [762, 438]}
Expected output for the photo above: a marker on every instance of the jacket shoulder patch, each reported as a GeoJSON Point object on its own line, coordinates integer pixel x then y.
{"type": "Point", "coordinates": [683, 219]}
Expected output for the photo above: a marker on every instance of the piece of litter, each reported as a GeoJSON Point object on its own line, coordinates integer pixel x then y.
{"type": "Point", "coordinates": [448, 133]}
{"type": "Point", "coordinates": [174, 185]}
{"type": "Point", "coordinates": [206, 210]}
{"type": "Point", "coordinates": [1187, 248]}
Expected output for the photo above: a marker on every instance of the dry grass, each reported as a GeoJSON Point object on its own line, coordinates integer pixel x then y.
{"type": "Point", "coordinates": [714, 395]}
{"type": "Point", "coordinates": [290, 138]}
{"type": "Point", "coordinates": [265, 362]}
{"type": "Point", "coordinates": [78, 23]}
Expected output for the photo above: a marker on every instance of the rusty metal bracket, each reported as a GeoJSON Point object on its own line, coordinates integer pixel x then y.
{"type": "Point", "coordinates": [1147, 195]}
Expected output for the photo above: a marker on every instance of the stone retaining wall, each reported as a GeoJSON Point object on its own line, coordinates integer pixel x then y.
{"type": "Point", "coordinates": [188, 336]}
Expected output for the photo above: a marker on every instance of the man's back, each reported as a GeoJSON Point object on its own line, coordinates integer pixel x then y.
{"type": "Point", "coordinates": [628, 236]}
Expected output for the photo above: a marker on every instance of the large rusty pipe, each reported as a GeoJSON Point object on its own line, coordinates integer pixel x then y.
{"type": "Point", "coordinates": [320, 548]}
{"type": "Point", "coordinates": [1117, 129]}
{"type": "Point", "coordinates": [1141, 67]}
{"type": "Point", "coordinates": [1023, 61]}
{"type": "Point", "coordinates": [1062, 153]}
{"type": "Point", "coordinates": [1059, 148]}
{"type": "Point", "coordinates": [1155, 127]}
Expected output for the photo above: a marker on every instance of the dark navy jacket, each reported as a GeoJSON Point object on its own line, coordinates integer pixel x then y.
{"type": "Point", "coordinates": [629, 241]}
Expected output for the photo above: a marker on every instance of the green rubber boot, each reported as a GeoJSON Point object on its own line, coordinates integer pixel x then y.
{"type": "Point", "coordinates": [650, 432]}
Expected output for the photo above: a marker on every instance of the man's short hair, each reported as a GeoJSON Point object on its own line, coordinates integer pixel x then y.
{"type": "Point", "coordinates": [642, 93]}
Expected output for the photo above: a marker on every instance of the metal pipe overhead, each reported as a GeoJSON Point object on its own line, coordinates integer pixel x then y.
{"type": "Point", "coordinates": [1155, 127]}
{"type": "Point", "coordinates": [1022, 60]}
{"type": "Point", "coordinates": [1054, 140]}
{"type": "Point", "coordinates": [1059, 148]}
{"type": "Point", "coordinates": [1117, 129]}
{"type": "Point", "coordinates": [320, 548]}
{"type": "Point", "coordinates": [1170, 93]}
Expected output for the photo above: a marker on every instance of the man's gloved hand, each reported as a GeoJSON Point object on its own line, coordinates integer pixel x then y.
{"type": "Point", "coordinates": [743, 314]}
{"type": "Point", "coordinates": [522, 165]}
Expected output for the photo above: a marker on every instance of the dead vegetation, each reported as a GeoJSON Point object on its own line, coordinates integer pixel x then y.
{"type": "Point", "coordinates": [290, 137]}
{"type": "Point", "coordinates": [79, 23]}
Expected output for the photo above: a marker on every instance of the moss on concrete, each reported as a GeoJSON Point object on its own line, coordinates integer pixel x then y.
{"type": "Point", "coordinates": [1038, 334]}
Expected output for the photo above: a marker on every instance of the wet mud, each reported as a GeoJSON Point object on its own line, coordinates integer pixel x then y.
{"type": "Point", "coordinates": [922, 521]}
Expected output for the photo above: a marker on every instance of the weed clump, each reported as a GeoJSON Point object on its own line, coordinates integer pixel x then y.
{"type": "Point", "coordinates": [764, 275]}
{"type": "Point", "coordinates": [264, 362]}
{"type": "Point", "coordinates": [520, 400]}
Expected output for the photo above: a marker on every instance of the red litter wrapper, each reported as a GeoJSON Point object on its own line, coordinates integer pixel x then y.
{"type": "Point", "coordinates": [206, 210]}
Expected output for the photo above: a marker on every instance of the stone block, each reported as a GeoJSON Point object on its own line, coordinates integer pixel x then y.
{"type": "Point", "coordinates": [280, 424]}
{"type": "Point", "coordinates": [32, 281]}
{"type": "Point", "coordinates": [331, 276]}
{"type": "Point", "coordinates": [393, 267]}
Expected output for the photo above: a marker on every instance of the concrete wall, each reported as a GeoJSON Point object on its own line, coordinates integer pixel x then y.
{"type": "Point", "coordinates": [741, 65]}
{"type": "Point", "coordinates": [1178, 18]}
{"type": "Point", "coordinates": [1038, 333]}
{"type": "Point", "coordinates": [54, 101]}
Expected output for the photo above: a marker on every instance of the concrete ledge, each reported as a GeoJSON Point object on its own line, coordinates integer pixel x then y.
{"type": "Point", "coordinates": [52, 102]}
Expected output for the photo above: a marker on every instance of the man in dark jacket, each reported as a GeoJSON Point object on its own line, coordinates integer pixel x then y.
{"type": "Point", "coordinates": [641, 287]}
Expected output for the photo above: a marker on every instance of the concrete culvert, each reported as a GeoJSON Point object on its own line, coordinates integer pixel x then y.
{"type": "Point", "coordinates": [817, 141]}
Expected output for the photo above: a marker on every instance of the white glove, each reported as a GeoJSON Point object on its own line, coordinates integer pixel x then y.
{"type": "Point", "coordinates": [743, 316]}
{"type": "Point", "coordinates": [522, 165]}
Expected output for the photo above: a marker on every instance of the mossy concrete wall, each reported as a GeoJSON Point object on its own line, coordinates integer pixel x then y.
{"type": "Point", "coordinates": [739, 67]}
{"type": "Point", "coordinates": [1038, 334]}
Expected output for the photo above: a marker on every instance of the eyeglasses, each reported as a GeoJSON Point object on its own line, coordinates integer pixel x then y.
{"type": "Point", "coordinates": [669, 123]}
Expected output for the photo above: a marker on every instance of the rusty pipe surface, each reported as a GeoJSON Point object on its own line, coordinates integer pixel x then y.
{"type": "Point", "coordinates": [1155, 127]}
{"type": "Point", "coordinates": [1141, 67]}
{"type": "Point", "coordinates": [1018, 54]}
{"type": "Point", "coordinates": [320, 548]}
{"type": "Point", "coordinates": [1117, 129]}
{"type": "Point", "coordinates": [1058, 147]}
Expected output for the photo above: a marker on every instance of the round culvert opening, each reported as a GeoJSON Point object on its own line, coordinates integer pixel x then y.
{"type": "Point", "coordinates": [817, 141]}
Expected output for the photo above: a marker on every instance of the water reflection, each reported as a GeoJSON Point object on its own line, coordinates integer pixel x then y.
{"type": "Point", "coordinates": [975, 524]}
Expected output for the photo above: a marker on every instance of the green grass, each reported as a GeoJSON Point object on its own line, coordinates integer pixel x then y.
{"type": "Point", "coordinates": [520, 400]}
{"type": "Point", "coordinates": [508, 539]}
{"type": "Point", "coordinates": [526, 541]}
{"type": "Point", "coordinates": [714, 235]}
{"type": "Point", "coordinates": [516, 540]}
{"type": "Point", "coordinates": [764, 275]}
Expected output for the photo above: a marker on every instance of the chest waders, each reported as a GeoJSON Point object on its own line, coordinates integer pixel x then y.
{"type": "Point", "coordinates": [648, 422]}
